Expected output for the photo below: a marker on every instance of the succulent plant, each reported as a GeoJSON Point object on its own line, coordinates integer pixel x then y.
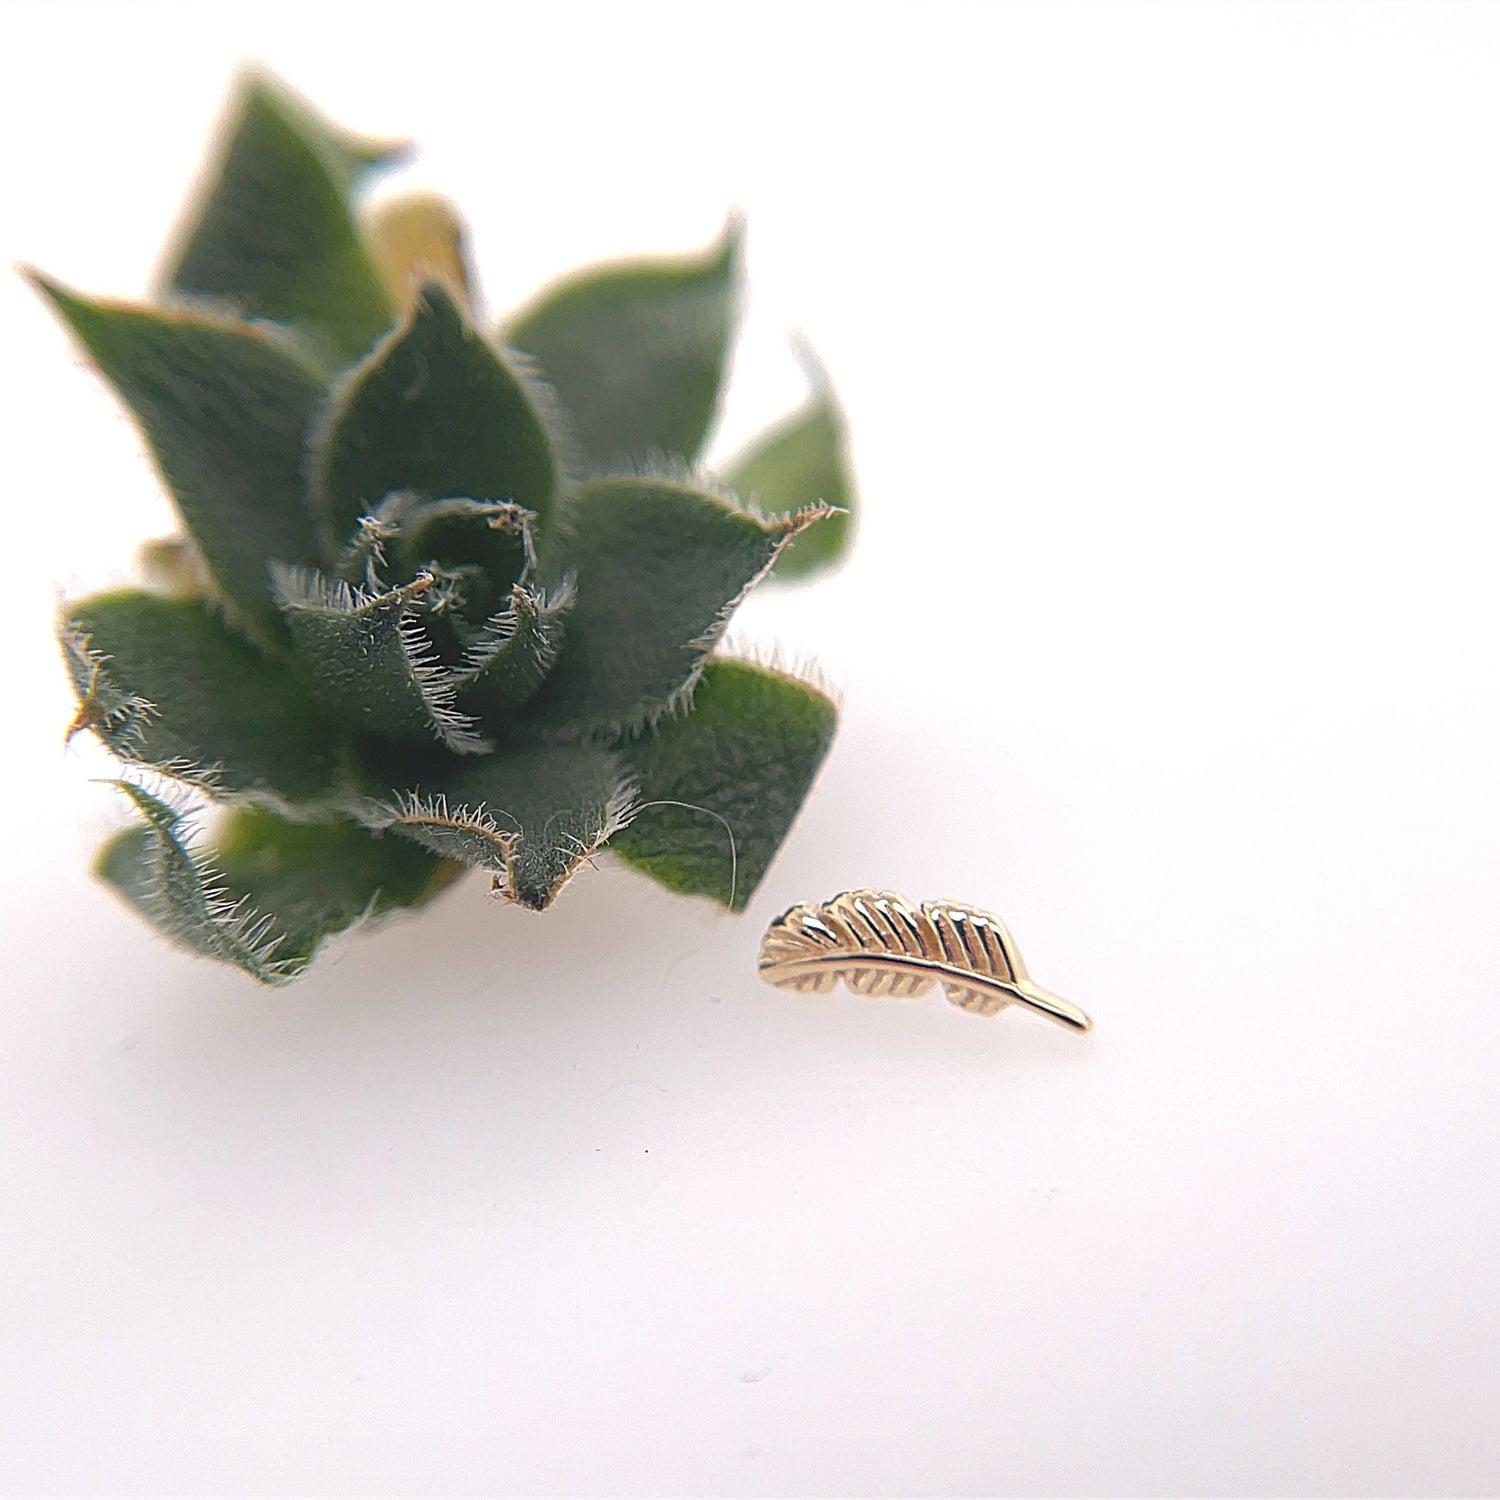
{"type": "Point", "coordinates": [445, 597]}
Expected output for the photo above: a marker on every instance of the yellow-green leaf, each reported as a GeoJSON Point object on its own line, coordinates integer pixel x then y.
{"type": "Point", "coordinates": [437, 411]}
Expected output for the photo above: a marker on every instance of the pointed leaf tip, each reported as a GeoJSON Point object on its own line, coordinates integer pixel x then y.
{"type": "Point", "coordinates": [225, 412]}
{"type": "Point", "coordinates": [531, 816]}
{"type": "Point", "coordinates": [164, 684]}
{"type": "Point", "coordinates": [637, 350]}
{"type": "Point", "coordinates": [802, 460]}
{"type": "Point", "coordinates": [435, 410]}
{"type": "Point", "coordinates": [370, 661]}
{"type": "Point", "coordinates": [352, 153]}
{"type": "Point", "coordinates": [660, 566]}
{"type": "Point", "coordinates": [274, 232]}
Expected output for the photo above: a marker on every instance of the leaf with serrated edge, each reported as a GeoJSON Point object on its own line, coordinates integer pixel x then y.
{"type": "Point", "coordinates": [266, 893]}
{"type": "Point", "coordinates": [454, 830]}
{"type": "Point", "coordinates": [564, 801]}
{"type": "Point", "coordinates": [163, 683]}
{"type": "Point", "coordinates": [320, 878]}
{"type": "Point", "coordinates": [636, 350]}
{"type": "Point", "coordinates": [225, 411]}
{"type": "Point", "coordinates": [274, 234]}
{"type": "Point", "coordinates": [531, 815]}
{"type": "Point", "coordinates": [117, 716]}
{"type": "Point", "coordinates": [369, 661]}
{"type": "Point", "coordinates": [672, 560]}
{"type": "Point", "coordinates": [157, 872]}
{"type": "Point", "coordinates": [435, 410]}
{"type": "Point", "coordinates": [802, 461]}
{"type": "Point", "coordinates": [738, 765]}
{"type": "Point", "coordinates": [510, 659]}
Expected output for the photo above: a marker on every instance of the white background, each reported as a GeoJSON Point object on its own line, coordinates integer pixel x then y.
{"type": "Point", "coordinates": [1170, 337]}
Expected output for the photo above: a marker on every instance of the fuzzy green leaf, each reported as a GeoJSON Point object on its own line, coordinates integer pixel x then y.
{"type": "Point", "coordinates": [636, 351]}
{"type": "Point", "coordinates": [225, 411]}
{"type": "Point", "coordinates": [320, 878]}
{"type": "Point", "coordinates": [370, 662]}
{"type": "Point", "coordinates": [509, 660]}
{"type": "Point", "coordinates": [155, 870]}
{"type": "Point", "coordinates": [803, 461]}
{"type": "Point", "coordinates": [530, 815]}
{"type": "Point", "coordinates": [434, 410]}
{"type": "Point", "coordinates": [746, 754]}
{"type": "Point", "coordinates": [164, 684]}
{"type": "Point", "coordinates": [269, 891]}
{"type": "Point", "coordinates": [563, 802]}
{"type": "Point", "coordinates": [275, 234]}
{"type": "Point", "coordinates": [660, 566]}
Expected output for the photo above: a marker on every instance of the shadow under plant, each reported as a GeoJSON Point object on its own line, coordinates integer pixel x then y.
{"type": "Point", "coordinates": [444, 598]}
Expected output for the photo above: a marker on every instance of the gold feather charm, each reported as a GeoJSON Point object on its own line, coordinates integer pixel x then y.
{"type": "Point", "coordinates": [878, 943]}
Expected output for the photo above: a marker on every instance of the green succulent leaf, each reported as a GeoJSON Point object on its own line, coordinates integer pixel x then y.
{"type": "Point", "coordinates": [164, 684]}
{"type": "Point", "coordinates": [531, 815]}
{"type": "Point", "coordinates": [320, 878]}
{"type": "Point", "coordinates": [560, 803]}
{"type": "Point", "coordinates": [370, 662]}
{"type": "Point", "coordinates": [435, 411]}
{"type": "Point", "coordinates": [744, 757]}
{"type": "Point", "coordinates": [660, 566]}
{"type": "Point", "coordinates": [567, 807]}
{"type": "Point", "coordinates": [155, 869]}
{"type": "Point", "coordinates": [510, 658]}
{"type": "Point", "coordinates": [269, 891]}
{"type": "Point", "coordinates": [476, 550]}
{"type": "Point", "coordinates": [225, 411]}
{"type": "Point", "coordinates": [636, 351]}
{"type": "Point", "coordinates": [275, 234]}
{"type": "Point", "coordinates": [803, 461]}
